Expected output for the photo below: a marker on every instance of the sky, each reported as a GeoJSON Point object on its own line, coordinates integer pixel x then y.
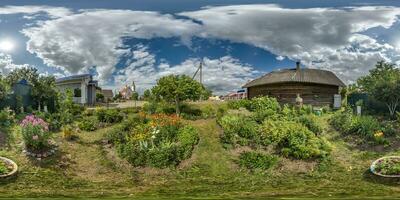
{"type": "Point", "coordinates": [120, 42]}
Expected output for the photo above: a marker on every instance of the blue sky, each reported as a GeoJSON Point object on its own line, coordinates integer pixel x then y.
{"type": "Point", "coordinates": [124, 41]}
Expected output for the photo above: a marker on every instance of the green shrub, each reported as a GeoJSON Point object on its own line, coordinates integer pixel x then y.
{"type": "Point", "coordinates": [364, 126]}
{"type": "Point", "coordinates": [310, 121]}
{"type": "Point", "coordinates": [255, 160]}
{"type": "Point", "coordinates": [294, 139]}
{"type": "Point", "coordinates": [342, 121]}
{"type": "Point", "coordinates": [150, 107]}
{"type": "Point", "coordinates": [109, 115]}
{"type": "Point", "coordinates": [156, 140]}
{"type": "Point", "coordinates": [236, 104]}
{"type": "Point", "coordinates": [188, 136]}
{"type": "Point", "coordinates": [263, 103]}
{"type": "Point", "coordinates": [236, 126]}
{"type": "Point", "coordinates": [7, 117]}
{"type": "Point", "coordinates": [208, 111]}
{"type": "Point", "coordinates": [166, 155]}
{"type": "Point", "coordinates": [89, 123]}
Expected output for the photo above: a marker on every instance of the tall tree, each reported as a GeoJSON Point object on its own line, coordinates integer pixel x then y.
{"type": "Point", "coordinates": [4, 88]}
{"type": "Point", "coordinates": [383, 84]}
{"type": "Point", "coordinates": [178, 88]}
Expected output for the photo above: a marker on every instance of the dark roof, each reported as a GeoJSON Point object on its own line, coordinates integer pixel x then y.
{"type": "Point", "coordinates": [23, 82]}
{"type": "Point", "coordinates": [303, 75]}
{"type": "Point", "coordinates": [74, 77]}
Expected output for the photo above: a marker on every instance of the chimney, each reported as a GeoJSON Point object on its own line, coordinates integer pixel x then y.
{"type": "Point", "coordinates": [298, 65]}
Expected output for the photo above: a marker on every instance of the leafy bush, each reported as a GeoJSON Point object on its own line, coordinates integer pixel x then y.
{"type": "Point", "coordinates": [188, 136]}
{"type": "Point", "coordinates": [109, 115]}
{"type": "Point", "coordinates": [310, 121]}
{"type": "Point", "coordinates": [263, 103]}
{"type": "Point", "coordinates": [35, 133]}
{"type": "Point", "coordinates": [236, 126]}
{"type": "Point", "coordinates": [7, 117]}
{"type": "Point", "coordinates": [156, 140]}
{"type": "Point", "coordinates": [68, 131]}
{"type": "Point", "coordinates": [236, 104]}
{"type": "Point", "coordinates": [342, 121]}
{"type": "Point", "coordinates": [294, 139]}
{"type": "Point", "coordinates": [364, 126]}
{"type": "Point", "coordinates": [89, 123]}
{"type": "Point", "coordinates": [255, 160]}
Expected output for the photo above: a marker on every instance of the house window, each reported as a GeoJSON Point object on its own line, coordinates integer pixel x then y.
{"type": "Point", "coordinates": [77, 92]}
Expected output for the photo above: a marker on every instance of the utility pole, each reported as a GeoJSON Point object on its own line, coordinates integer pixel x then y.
{"type": "Point", "coordinates": [134, 91]}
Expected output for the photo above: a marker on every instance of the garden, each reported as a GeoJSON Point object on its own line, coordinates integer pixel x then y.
{"type": "Point", "coordinates": [176, 146]}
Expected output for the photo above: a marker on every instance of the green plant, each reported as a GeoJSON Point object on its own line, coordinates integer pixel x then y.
{"type": "Point", "coordinates": [388, 166]}
{"type": "Point", "coordinates": [310, 121]}
{"type": "Point", "coordinates": [294, 139]}
{"type": "Point", "coordinates": [89, 123]}
{"type": "Point", "coordinates": [263, 103]}
{"type": "Point", "coordinates": [7, 117]}
{"type": "Point", "coordinates": [187, 137]}
{"type": "Point", "coordinates": [109, 115]}
{"type": "Point", "coordinates": [236, 126]}
{"type": "Point", "coordinates": [35, 133]}
{"type": "Point", "coordinates": [4, 168]}
{"type": "Point", "coordinates": [241, 103]}
{"type": "Point", "coordinates": [256, 160]}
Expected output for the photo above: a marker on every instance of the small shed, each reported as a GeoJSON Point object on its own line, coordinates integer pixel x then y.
{"type": "Point", "coordinates": [315, 86]}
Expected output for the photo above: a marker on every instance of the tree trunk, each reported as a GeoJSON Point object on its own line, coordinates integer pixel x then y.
{"type": "Point", "coordinates": [177, 109]}
{"type": "Point", "coordinates": [392, 108]}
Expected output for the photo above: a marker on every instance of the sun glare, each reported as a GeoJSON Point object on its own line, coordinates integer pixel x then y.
{"type": "Point", "coordinates": [6, 45]}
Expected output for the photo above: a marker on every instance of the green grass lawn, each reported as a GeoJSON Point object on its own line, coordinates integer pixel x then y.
{"type": "Point", "coordinates": [87, 168]}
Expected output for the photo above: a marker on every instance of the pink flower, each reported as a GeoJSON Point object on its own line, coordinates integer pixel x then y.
{"type": "Point", "coordinates": [35, 137]}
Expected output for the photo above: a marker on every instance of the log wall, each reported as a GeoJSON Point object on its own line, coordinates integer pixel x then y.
{"type": "Point", "coordinates": [314, 94]}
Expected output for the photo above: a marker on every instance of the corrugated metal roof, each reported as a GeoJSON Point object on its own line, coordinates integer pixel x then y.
{"type": "Point", "coordinates": [303, 75]}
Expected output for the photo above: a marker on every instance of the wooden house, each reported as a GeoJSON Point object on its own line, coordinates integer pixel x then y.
{"type": "Point", "coordinates": [316, 87]}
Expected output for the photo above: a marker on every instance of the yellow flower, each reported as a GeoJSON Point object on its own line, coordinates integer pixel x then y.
{"type": "Point", "coordinates": [378, 134]}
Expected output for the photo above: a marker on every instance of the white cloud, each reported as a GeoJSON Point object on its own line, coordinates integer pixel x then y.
{"type": "Point", "coordinates": [7, 64]}
{"type": "Point", "coordinates": [30, 11]}
{"type": "Point", "coordinates": [78, 42]}
{"type": "Point", "coordinates": [314, 34]}
{"type": "Point", "coordinates": [326, 38]}
{"type": "Point", "coordinates": [220, 75]}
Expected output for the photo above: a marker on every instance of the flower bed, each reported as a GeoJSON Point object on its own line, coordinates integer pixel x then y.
{"type": "Point", "coordinates": [36, 136]}
{"type": "Point", "coordinates": [387, 167]}
{"type": "Point", "coordinates": [7, 167]}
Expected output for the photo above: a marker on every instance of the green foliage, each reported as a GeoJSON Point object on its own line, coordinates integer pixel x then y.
{"type": "Point", "coordinates": [383, 83]}
{"type": "Point", "coordinates": [236, 127]}
{"type": "Point", "coordinates": [310, 121]}
{"type": "Point", "coordinates": [135, 96]}
{"type": "Point", "coordinates": [109, 115]}
{"type": "Point", "coordinates": [178, 88]}
{"type": "Point", "coordinates": [4, 169]}
{"type": "Point", "coordinates": [77, 92]}
{"type": "Point", "coordinates": [366, 127]}
{"type": "Point", "coordinates": [4, 88]}
{"type": "Point", "coordinates": [7, 117]}
{"type": "Point", "coordinates": [256, 160]}
{"type": "Point", "coordinates": [89, 123]}
{"type": "Point", "coordinates": [158, 140]}
{"type": "Point", "coordinates": [388, 166]}
{"type": "Point", "coordinates": [241, 103]}
{"type": "Point", "coordinates": [99, 96]}
{"type": "Point", "coordinates": [294, 139]}
{"type": "Point", "coordinates": [342, 121]}
{"type": "Point", "coordinates": [187, 137]}
{"type": "Point", "coordinates": [35, 133]}
{"type": "Point", "coordinates": [256, 104]}
{"type": "Point", "coordinates": [147, 95]}
{"type": "Point", "coordinates": [264, 103]}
